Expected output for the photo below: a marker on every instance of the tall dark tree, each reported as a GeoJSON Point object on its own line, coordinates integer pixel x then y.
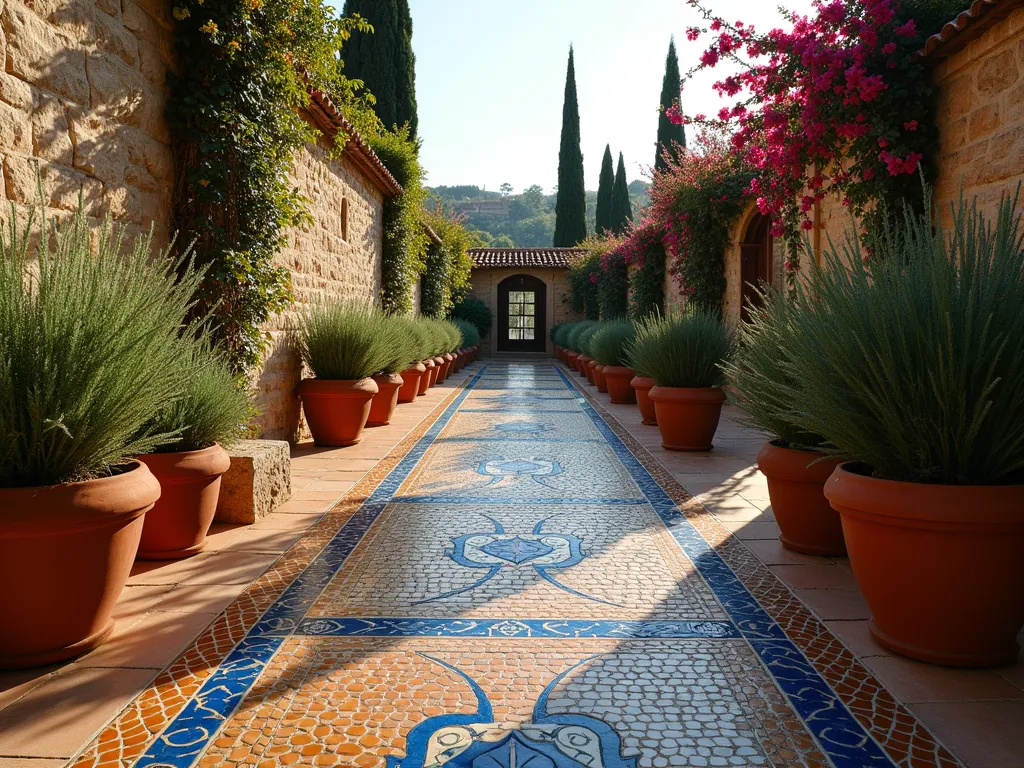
{"type": "Point", "coordinates": [384, 60]}
{"type": "Point", "coordinates": [622, 208]}
{"type": "Point", "coordinates": [605, 184]}
{"type": "Point", "coordinates": [670, 136]}
{"type": "Point", "coordinates": [571, 204]}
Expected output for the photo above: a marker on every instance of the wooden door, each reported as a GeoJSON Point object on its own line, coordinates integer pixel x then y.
{"type": "Point", "coordinates": [522, 303]}
{"type": "Point", "coordinates": [755, 263]}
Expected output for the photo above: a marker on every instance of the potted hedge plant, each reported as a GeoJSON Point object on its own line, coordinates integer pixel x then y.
{"type": "Point", "coordinates": [609, 349]}
{"type": "Point", "coordinates": [344, 344]}
{"type": "Point", "coordinates": [642, 386]}
{"type": "Point", "coordinates": [792, 460]}
{"type": "Point", "coordinates": [416, 370]}
{"type": "Point", "coordinates": [390, 380]}
{"type": "Point", "coordinates": [210, 414]}
{"type": "Point", "coordinates": [683, 353]}
{"type": "Point", "coordinates": [578, 359]}
{"type": "Point", "coordinates": [582, 340]}
{"type": "Point", "coordinates": [912, 368]}
{"type": "Point", "coordinates": [470, 337]}
{"type": "Point", "coordinates": [88, 356]}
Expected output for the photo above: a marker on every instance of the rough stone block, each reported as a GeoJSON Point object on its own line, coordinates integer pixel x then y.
{"type": "Point", "coordinates": [51, 134]}
{"type": "Point", "coordinates": [14, 132]}
{"type": "Point", "coordinates": [259, 480]}
{"type": "Point", "coordinates": [42, 56]}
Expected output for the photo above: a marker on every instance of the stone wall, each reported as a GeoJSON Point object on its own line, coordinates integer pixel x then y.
{"type": "Point", "coordinates": [981, 116]}
{"type": "Point", "coordinates": [484, 286]}
{"type": "Point", "coordinates": [330, 258]}
{"type": "Point", "coordinates": [82, 94]}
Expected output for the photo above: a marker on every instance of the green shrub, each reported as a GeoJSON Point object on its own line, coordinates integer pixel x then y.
{"type": "Point", "coordinates": [561, 333]}
{"type": "Point", "coordinates": [476, 312]}
{"type": "Point", "coordinates": [573, 337]}
{"type": "Point", "coordinates": [213, 408]}
{"type": "Point", "coordinates": [681, 350]}
{"type": "Point", "coordinates": [608, 345]}
{"type": "Point", "coordinates": [914, 365]}
{"type": "Point", "coordinates": [404, 341]}
{"type": "Point", "coordinates": [88, 352]}
{"type": "Point", "coordinates": [470, 335]}
{"type": "Point", "coordinates": [761, 371]}
{"type": "Point", "coordinates": [415, 335]}
{"type": "Point", "coordinates": [584, 337]}
{"type": "Point", "coordinates": [345, 341]}
{"type": "Point", "coordinates": [613, 287]}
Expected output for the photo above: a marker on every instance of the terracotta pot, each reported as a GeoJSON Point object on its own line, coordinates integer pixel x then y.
{"type": "Point", "coordinates": [435, 375]}
{"type": "Point", "coordinates": [599, 380]}
{"type": "Point", "coordinates": [642, 388]}
{"type": "Point", "coordinates": [572, 357]}
{"type": "Point", "coordinates": [449, 361]}
{"type": "Point", "coordinates": [65, 555]}
{"type": "Point", "coordinates": [939, 565]}
{"type": "Point", "coordinates": [336, 411]}
{"type": "Point", "coordinates": [619, 390]}
{"type": "Point", "coordinates": [460, 359]}
{"type": "Point", "coordinates": [411, 382]}
{"type": "Point", "coordinates": [429, 367]}
{"type": "Point", "coordinates": [687, 417]}
{"type": "Point", "coordinates": [590, 372]}
{"type": "Point", "coordinates": [177, 524]}
{"type": "Point", "coordinates": [383, 404]}
{"type": "Point", "coordinates": [476, 351]}
{"type": "Point", "coordinates": [806, 519]}
{"type": "Point", "coordinates": [581, 365]}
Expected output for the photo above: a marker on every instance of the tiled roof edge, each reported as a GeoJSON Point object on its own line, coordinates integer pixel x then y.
{"type": "Point", "coordinates": [954, 36]}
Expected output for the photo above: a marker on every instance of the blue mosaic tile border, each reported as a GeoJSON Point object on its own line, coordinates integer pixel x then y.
{"type": "Point", "coordinates": [838, 733]}
{"type": "Point", "coordinates": [505, 502]}
{"type": "Point", "coordinates": [512, 628]}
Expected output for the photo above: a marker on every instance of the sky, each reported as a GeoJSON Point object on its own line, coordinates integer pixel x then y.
{"type": "Point", "coordinates": [490, 79]}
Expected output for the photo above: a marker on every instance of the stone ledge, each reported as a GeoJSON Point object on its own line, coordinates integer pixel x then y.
{"type": "Point", "coordinates": [259, 481]}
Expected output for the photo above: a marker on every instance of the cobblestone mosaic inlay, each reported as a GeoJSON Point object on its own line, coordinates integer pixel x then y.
{"type": "Point", "coordinates": [552, 601]}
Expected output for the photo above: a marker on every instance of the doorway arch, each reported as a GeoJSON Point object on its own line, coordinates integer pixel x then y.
{"type": "Point", "coordinates": [522, 314]}
{"type": "Point", "coordinates": [755, 262]}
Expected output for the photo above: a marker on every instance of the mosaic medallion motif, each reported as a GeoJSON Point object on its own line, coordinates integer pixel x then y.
{"type": "Point", "coordinates": [500, 468]}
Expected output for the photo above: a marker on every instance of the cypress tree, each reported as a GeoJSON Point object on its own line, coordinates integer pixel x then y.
{"type": "Point", "coordinates": [669, 134]}
{"type": "Point", "coordinates": [571, 204]}
{"type": "Point", "coordinates": [622, 208]}
{"type": "Point", "coordinates": [384, 60]}
{"type": "Point", "coordinates": [604, 192]}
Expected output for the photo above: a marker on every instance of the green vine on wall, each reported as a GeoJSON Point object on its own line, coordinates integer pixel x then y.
{"type": "Point", "coordinates": [246, 67]}
{"type": "Point", "coordinates": [583, 273]}
{"type": "Point", "coordinates": [647, 280]}
{"type": "Point", "coordinates": [448, 265]}
{"type": "Point", "coordinates": [613, 286]}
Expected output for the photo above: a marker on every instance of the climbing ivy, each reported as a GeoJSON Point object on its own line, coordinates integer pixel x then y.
{"type": "Point", "coordinates": [613, 287]}
{"type": "Point", "coordinates": [583, 273]}
{"type": "Point", "coordinates": [647, 280]}
{"type": "Point", "coordinates": [448, 265]}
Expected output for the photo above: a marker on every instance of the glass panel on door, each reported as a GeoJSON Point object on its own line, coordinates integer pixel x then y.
{"type": "Point", "coordinates": [522, 307]}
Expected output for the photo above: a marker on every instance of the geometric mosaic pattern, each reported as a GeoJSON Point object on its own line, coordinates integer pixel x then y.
{"type": "Point", "coordinates": [517, 585]}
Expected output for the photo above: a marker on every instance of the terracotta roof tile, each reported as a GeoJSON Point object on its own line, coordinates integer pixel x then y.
{"type": "Point", "coordinates": [954, 36]}
{"type": "Point", "coordinates": [330, 120]}
{"type": "Point", "coordinates": [559, 258]}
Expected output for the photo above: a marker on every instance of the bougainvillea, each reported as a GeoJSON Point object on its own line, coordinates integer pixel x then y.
{"type": "Point", "coordinates": [840, 103]}
{"type": "Point", "coordinates": [643, 250]}
{"type": "Point", "coordinates": [583, 278]}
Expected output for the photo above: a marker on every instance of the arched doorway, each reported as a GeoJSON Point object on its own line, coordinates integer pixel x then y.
{"type": "Point", "coordinates": [755, 262]}
{"type": "Point", "coordinates": [522, 325]}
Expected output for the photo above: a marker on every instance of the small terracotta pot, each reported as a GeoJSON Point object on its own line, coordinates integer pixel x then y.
{"type": "Point", "coordinates": [687, 417]}
{"type": "Point", "coordinates": [599, 380]}
{"type": "Point", "coordinates": [336, 411]}
{"type": "Point", "coordinates": [383, 404]}
{"type": "Point", "coordinates": [619, 390]}
{"type": "Point", "coordinates": [449, 361]}
{"type": "Point", "coordinates": [939, 565]}
{"type": "Point", "coordinates": [571, 358]}
{"type": "Point", "coordinates": [642, 387]}
{"type": "Point", "coordinates": [428, 367]}
{"type": "Point", "coordinates": [806, 519]}
{"type": "Point", "coordinates": [411, 382]}
{"type": "Point", "coordinates": [435, 376]}
{"type": "Point", "coordinates": [460, 359]}
{"type": "Point", "coordinates": [476, 351]}
{"type": "Point", "coordinates": [590, 372]}
{"type": "Point", "coordinates": [581, 365]}
{"type": "Point", "coordinates": [177, 524]}
{"type": "Point", "coordinates": [65, 555]}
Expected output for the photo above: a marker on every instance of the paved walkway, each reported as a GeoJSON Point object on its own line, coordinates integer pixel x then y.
{"type": "Point", "coordinates": [520, 583]}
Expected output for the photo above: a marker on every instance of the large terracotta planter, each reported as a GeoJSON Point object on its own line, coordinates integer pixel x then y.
{"type": "Point", "coordinates": [599, 380]}
{"type": "Point", "coordinates": [590, 372]}
{"type": "Point", "coordinates": [939, 565]}
{"type": "Point", "coordinates": [336, 411]}
{"type": "Point", "coordinates": [806, 519]}
{"type": "Point", "coordinates": [688, 418]}
{"type": "Point", "coordinates": [411, 382]}
{"type": "Point", "coordinates": [177, 524]}
{"type": "Point", "coordinates": [429, 366]}
{"type": "Point", "coordinates": [619, 390]}
{"type": "Point", "coordinates": [383, 404]}
{"type": "Point", "coordinates": [642, 388]}
{"type": "Point", "coordinates": [65, 555]}
{"type": "Point", "coordinates": [581, 365]}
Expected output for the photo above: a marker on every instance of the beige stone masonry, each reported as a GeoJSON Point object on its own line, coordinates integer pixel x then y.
{"type": "Point", "coordinates": [257, 483]}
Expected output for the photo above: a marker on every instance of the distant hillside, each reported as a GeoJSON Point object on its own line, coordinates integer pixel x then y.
{"type": "Point", "coordinates": [525, 220]}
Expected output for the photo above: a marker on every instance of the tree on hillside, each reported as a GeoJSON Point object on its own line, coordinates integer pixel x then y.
{"type": "Point", "coordinates": [670, 137]}
{"type": "Point", "coordinates": [571, 206]}
{"type": "Point", "coordinates": [622, 208]}
{"type": "Point", "coordinates": [605, 184]}
{"type": "Point", "coordinates": [384, 60]}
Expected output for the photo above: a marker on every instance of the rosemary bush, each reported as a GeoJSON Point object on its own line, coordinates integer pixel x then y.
{"type": "Point", "coordinates": [608, 345]}
{"type": "Point", "coordinates": [587, 334]}
{"type": "Point", "coordinates": [345, 341]}
{"type": "Point", "coordinates": [560, 334]}
{"type": "Point", "coordinates": [405, 344]}
{"type": "Point", "coordinates": [761, 371]}
{"type": "Point", "coordinates": [914, 365]}
{"type": "Point", "coordinates": [88, 353]}
{"type": "Point", "coordinates": [681, 350]}
{"type": "Point", "coordinates": [470, 335]}
{"type": "Point", "coordinates": [573, 337]}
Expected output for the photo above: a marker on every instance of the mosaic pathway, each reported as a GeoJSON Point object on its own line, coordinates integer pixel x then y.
{"type": "Point", "coordinates": [517, 586]}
